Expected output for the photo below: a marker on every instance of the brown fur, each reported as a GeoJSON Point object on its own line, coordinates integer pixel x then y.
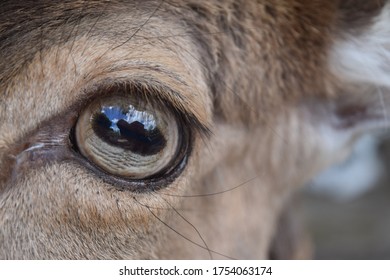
{"type": "Point", "coordinates": [246, 70]}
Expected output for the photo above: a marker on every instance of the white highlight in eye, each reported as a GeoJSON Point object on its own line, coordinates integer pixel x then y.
{"type": "Point", "coordinates": [132, 115]}
{"type": "Point", "coordinates": [366, 57]}
{"type": "Point", "coordinates": [148, 120]}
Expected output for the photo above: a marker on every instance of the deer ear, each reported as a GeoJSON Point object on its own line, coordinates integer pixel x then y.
{"type": "Point", "coordinates": [360, 61]}
{"type": "Point", "coordinates": [363, 55]}
{"type": "Point", "coordinates": [359, 64]}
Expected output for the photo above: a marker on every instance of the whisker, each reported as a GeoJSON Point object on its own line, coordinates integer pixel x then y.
{"type": "Point", "coordinates": [215, 193]}
{"type": "Point", "coordinates": [92, 28]}
{"type": "Point", "coordinates": [169, 209]}
{"type": "Point", "coordinates": [75, 28]}
{"type": "Point", "coordinates": [41, 47]}
{"type": "Point", "coordinates": [61, 39]}
{"type": "Point", "coordinates": [141, 26]}
{"type": "Point", "coordinates": [178, 233]}
{"type": "Point", "coordinates": [135, 32]}
{"type": "Point", "coordinates": [120, 212]}
{"type": "Point", "coordinates": [188, 222]}
{"type": "Point", "coordinates": [189, 34]}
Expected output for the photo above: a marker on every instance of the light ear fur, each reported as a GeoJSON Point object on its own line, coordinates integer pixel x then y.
{"type": "Point", "coordinates": [359, 61]}
{"type": "Point", "coordinates": [364, 57]}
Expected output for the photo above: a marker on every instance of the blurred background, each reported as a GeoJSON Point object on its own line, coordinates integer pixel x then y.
{"type": "Point", "coordinates": [347, 207]}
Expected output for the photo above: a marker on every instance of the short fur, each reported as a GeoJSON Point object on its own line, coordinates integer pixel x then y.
{"type": "Point", "coordinates": [280, 85]}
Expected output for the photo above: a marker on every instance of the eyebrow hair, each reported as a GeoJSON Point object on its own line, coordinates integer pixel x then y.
{"type": "Point", "coordinates": [25, 24]}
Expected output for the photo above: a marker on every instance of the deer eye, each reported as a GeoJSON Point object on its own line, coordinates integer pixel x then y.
{"type": "Point", "coordinates": [128, 137]}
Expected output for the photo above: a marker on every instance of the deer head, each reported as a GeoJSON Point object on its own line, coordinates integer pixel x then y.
{"type": "Point", "coordinates": [177, 129]}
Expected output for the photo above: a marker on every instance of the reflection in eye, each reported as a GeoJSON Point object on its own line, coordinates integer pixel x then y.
{"type": "Point", "coordinates": [128, 137]}
{"type": "Point", "coordinates": [129, 128]}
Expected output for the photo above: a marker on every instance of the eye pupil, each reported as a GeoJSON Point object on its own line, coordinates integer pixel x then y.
{"type": "Point", "coordinates": [129, 129]}
{"type": "Point", "coordinates": [125, 135]}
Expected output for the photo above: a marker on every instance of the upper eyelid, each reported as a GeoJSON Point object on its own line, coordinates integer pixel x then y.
{"type": "Point", "coordinates": [159, 95]}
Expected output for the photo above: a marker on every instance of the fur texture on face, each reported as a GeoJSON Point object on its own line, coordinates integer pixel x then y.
{"type": "Point", "coordinates": [271, 92]}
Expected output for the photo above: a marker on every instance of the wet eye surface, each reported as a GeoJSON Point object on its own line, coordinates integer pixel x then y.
{"type": "Point", "coordinates": [128, 137]}
{"type": "Point", "coordinates": [136, 131]}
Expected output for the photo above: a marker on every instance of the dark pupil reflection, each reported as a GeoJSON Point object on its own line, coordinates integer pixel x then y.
{"type": "Point", "coordinates": [129, 129]}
